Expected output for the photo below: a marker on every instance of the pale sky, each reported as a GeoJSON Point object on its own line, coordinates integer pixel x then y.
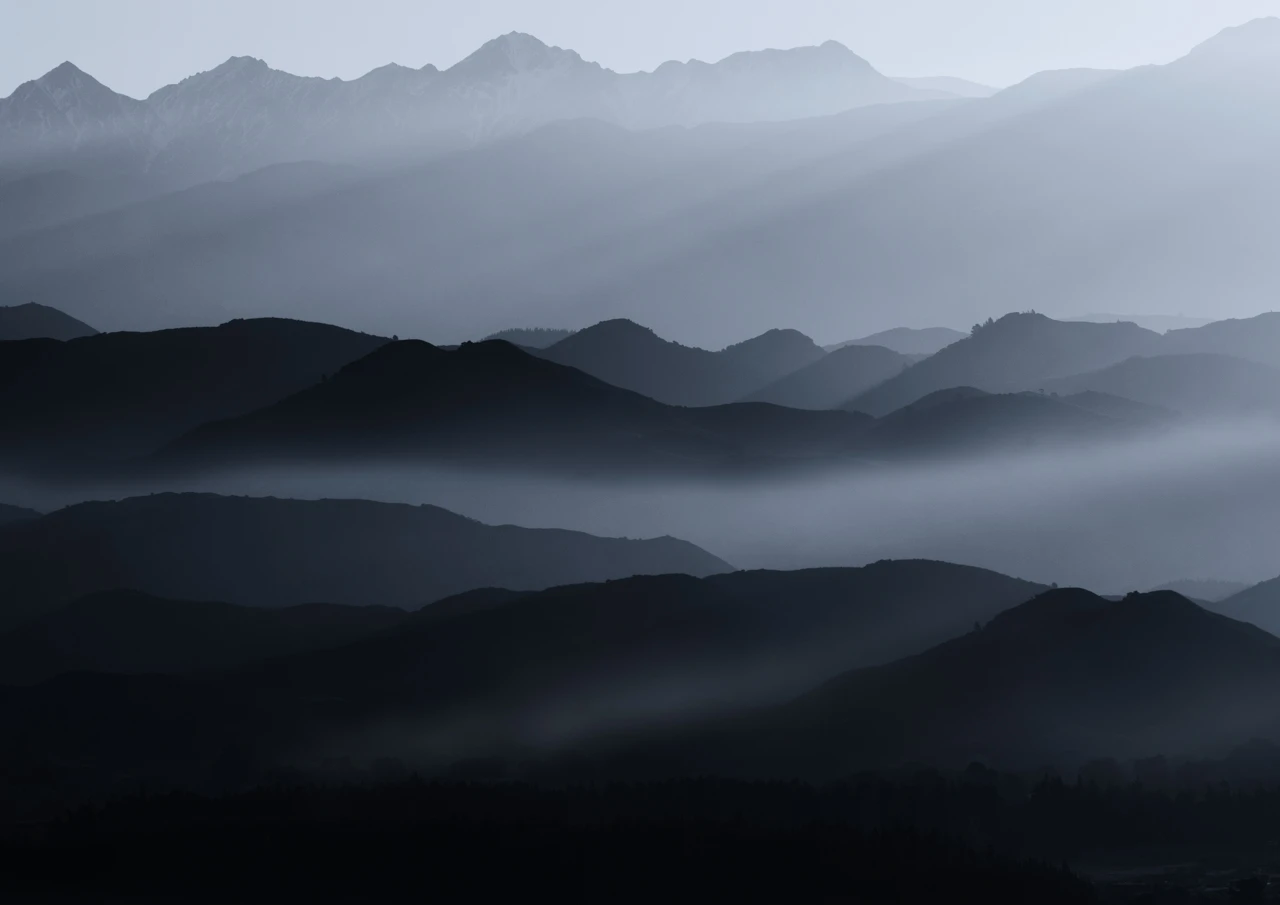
{"type": "Point", "coordinates": [136, 46]}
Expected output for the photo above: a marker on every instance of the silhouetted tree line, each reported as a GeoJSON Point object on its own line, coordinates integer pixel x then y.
{"type": "Point", "coordinates": [414, 841]}
{"type": "Point", "coordinates": [913, 835]}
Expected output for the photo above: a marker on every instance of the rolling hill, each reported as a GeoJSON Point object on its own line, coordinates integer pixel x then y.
{"type": "Point", "coordinates": [906, 340]}
{"type": "Point", "coordinates": [627, 355]}
{"type": "Point", "coordinates": [492, 403]}
{"type": "Point", "coordinates": [1193, 384]}
{"type": "Point", "coordinates": [267, 552]}
{"type": "Point", "coordinates": [1062, 679]}
{"type": "Point", "coordinates": [131, 632]}
{"type": "Point", "coordinates": [118, 395]}
{"type": "Point", "coordinates": [833, 379]}
{"type": "Point", "coordinates": [1018, 352]}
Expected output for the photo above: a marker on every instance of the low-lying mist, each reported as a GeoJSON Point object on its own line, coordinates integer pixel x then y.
{"type": "Point", "coordinates": [1200, 502]}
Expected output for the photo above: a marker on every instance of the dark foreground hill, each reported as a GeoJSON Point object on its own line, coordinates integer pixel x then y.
{"type": "Point", "coordinates": [130, 632]}
{"type": "Point", "coordinates": [1063, 679]}
{"type": "Point", "coordinates": [517, 676]}
{"type": "Point", "coordinates": [625, 354]}
{"type": "Point", "coordinates": [15, 514]}
{"type": "Point", "coordinates": [492, 402]}
{"type": "Point", "coordinates": [32, 321]}
{"type": "Point", "coordinates": [117, 395]}
{"type": "Point", "coordinates": [275, 553]}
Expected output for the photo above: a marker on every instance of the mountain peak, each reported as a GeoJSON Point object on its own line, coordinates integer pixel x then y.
{"type": "Point", "coordinates": [511, 53]}
{"type": "Point", "coordinates": [63, 73]}
{"type": "Point", "coordinates": [241, 65]}
{"type": "Point", "coordinates": [67, 86]}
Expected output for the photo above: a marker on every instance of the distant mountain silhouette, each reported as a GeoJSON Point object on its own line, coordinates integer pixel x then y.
{"type": "Point", "coordinates": [908, 341]}
{"type": "Point", "coordinates": [15, 513]}
{"type": "Point", "coordinates": [1063, 679]}
{"type": "Point", "coordinates": [964, 418]}
{"type": "Point", "coordinates": [627, 355]}
{"type": "Point", "coordinates": [1208, 590]}
{"type": "Point", "coordinates": [1194, 384]}
{"type": "Point", "coordinates": [117, 395]}
{"type": "Point", "coordinates": [531, 338]}
{"type": "Point", "coordinates": [832, 379]}
{"type": "Point", "coordinates": [130, 632]}
{"type": "Point", "coordinates": [1254, 338]}
{"type": "Point", "coordinates": [1016, 353]}
{"type": "Point", "coordinates": [1259, 605]}
{"type": "Point", "coordinates": [492, 402]}
{"type": "Point", "coordinates": [276, 553]}
{"type": "Point", "coordinates": [1160, 323]}
{"type": "Point", "coordinates": [32, 321]}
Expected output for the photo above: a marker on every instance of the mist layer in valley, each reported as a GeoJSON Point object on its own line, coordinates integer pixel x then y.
{"type": "Point", "coordinates": [1199, 502]}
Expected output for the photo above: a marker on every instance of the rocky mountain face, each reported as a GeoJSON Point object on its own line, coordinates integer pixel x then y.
{"type": "Point", "coordinates": [243, 114]}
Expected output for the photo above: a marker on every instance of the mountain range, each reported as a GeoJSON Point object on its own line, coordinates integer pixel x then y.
{"type": "Point", "coordinates": [114, 396]}
{"type": "Point", "coordinates": [243, 115]}
{"type": "Point", "coordinates": [625, 354]}
{"type": "Point", "coordinates": [570, 221]}
{"type": "Point", "coordinates": [276, 553]}
{"type": "Point", "coordinates": [491, 673]}
{"type": "Point", "coordinates": [612, 396]}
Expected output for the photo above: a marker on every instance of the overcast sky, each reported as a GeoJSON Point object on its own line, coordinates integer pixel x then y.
{"type": "Point", "coordinates": [136, 46]}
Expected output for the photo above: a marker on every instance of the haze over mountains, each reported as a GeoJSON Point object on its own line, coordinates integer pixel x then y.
{"type": "Point", "coordinates": [243, 115]}
{"type": "Point", "coordinates": [509, 423]}
{"type": "Point", "coordinates": [813, 211]}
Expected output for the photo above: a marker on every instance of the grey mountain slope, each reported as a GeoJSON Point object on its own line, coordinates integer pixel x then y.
{"type": "Point", "coordinates": [1208, 590]}
{"type": "Point", "coordinates": [1016, 353]}
{"type": "Point", "coordinates": [907, 340]}
{"type": "Point", "coordinates": [950, 85]}
{"type": "Point", "coordinates": [964, 419]}
{"type": "Point", "coordinates": [1255, 338]}
{"type": "Point", "coordinates": [1077, 168]}
{"type": "Point", "coordinates": [1044, 194]}
{"type": "Point", "coordinates": [832, 379]}
{"type": "Point", "coordinates": [563, 203]}
{"type": "Point", "coordinates": [32, 321]}
{"type": "Point", "coordinates": [627, 355]}
{"type": "Point", "coordinates": [273, 553]}
{"type": "Point", "coordinates": [1259, 605]}
{"type": "Point", "coordinates": [1193, 384]}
